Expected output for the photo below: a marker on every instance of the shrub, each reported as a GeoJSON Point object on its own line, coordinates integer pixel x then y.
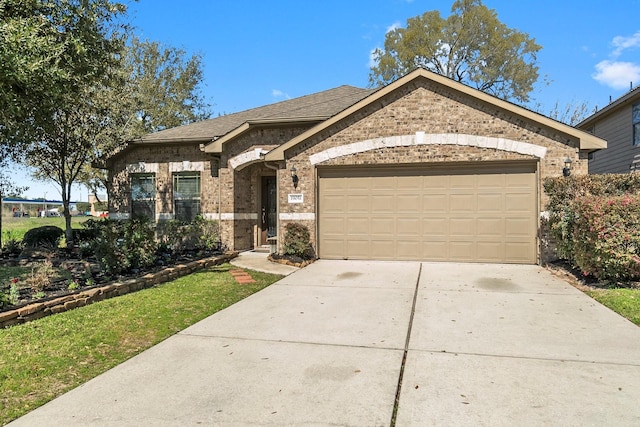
{"type": "Point", "coordinates": [296, 241]}
{"type": "Point", "coordinates": [593, 220]}
{"type": "Point", "coordinates": [47, 236]}
{"type": "Point", "coordinates": [139, 242]}
{"type": "Point", "coordinates": [120, 246]}
{"type": "Point", "coordinates": [12, 247]}
{"type": "Point", "coordinates": [41, 276]}
{"type": "Point", "coordinates": [197, 235]}
{"type": "Point", "coordinates": [607, 237]}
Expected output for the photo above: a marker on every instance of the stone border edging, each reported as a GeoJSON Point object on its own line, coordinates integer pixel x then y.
{"type": "Point", "coordinates": [68, 302]}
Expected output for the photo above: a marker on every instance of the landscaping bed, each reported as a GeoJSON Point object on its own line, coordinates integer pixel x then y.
{"type": "Point", "coordinates": [58, 297]}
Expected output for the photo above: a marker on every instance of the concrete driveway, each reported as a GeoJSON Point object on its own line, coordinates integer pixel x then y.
{"type": "Point", "coordinates": [340, 342]}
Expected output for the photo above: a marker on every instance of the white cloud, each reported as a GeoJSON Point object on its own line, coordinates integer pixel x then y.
{"type": "Point", "coordinates": [392, 27]}
{"type": "Point", "coordinates": [279, 94]}
{"type": "Point", "coordinates": [622, 43]}
{"type": "Point", "coordinates": [617, 74]}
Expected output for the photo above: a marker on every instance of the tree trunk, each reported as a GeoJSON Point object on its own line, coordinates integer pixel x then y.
{"type": "Point", "coordinates": [68, 231]}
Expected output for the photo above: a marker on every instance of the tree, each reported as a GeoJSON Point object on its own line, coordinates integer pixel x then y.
{"type": "Point", "coordinates": [161, 91]}
{"type": "Point", "coordinates": [67, 144]}
{"type": "Point", "coordinates": [47, 50]}
{"type": "Point", "coordinates": [572, 113]}
{"type": "Point", "coordinates": [164, 87]}
{"type": "Point", "coordinates": [56, 117]}
{"type": "Point", "coordinates": [471, 46]}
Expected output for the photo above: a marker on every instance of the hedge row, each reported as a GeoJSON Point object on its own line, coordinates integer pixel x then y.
{"type": "Point", "coordinates": [595, 220]}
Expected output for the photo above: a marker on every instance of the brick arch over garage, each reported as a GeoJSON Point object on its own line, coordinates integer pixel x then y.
{"type": "Point", "coordinates": [421, 138]}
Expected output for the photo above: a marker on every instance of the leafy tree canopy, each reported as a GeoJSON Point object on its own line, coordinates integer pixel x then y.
{"type": "Point", "coordinates": [471, 46]}
{"type": "Point", "coordinates": [48, 50]}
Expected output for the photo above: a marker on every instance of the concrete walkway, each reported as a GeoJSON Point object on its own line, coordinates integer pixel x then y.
{"type": "Point", "coordinates": [258, 261]}
{"type": "Point", "coordinates": [336, 343]}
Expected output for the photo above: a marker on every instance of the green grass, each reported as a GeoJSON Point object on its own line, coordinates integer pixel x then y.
{"type": "Point", "coordinates": [15, 228]}
{"type": "Point", "coordinates": [624, 301]}
{"type": "Point", "coordinates": [43, 359]}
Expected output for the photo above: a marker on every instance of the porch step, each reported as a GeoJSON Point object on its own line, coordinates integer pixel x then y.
{"type": "Point", "coordinates": [264, 249]}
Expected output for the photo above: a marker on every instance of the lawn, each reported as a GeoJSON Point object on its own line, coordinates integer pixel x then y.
{"type": "Point", "coordinates": [15, 228]}
{"type": "Point", "coordinates": [624, 301]}
{"type": "Point", "coordinates": [43, 359]}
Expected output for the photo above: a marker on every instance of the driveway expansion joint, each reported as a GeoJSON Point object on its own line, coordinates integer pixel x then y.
{"type": "Point", "coordinates": [406, 349]}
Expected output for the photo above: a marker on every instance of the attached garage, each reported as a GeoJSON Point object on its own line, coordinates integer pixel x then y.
{"type": "Point", "coordinates": [466, 212]}
{"type": "Point", "coordinates": [427, 169]}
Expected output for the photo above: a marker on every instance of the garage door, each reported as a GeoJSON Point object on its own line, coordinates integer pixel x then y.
{"type": "Point", "coordinates": [468, 213]}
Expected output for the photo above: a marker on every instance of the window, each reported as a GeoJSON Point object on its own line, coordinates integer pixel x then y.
{"type": "Point", "coordinates": [636, 124]}
{"type": "Point", "coordinates": [186, 195]}
{"type": "Point", "coordinates": [143, 195]}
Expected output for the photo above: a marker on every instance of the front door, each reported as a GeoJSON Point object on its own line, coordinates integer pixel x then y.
{"type": "Point", "coordinates": [268, 222]}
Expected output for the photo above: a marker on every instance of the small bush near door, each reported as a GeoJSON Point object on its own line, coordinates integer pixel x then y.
{"type": "Point", "coordinates": [297, 241]}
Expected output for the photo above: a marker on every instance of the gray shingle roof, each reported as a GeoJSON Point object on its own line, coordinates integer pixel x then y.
{"type": "Point", "coordinates": [322, 104]}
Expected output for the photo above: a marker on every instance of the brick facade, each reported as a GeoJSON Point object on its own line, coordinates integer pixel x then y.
{"type": "Point", "coordinates": [421, 122]}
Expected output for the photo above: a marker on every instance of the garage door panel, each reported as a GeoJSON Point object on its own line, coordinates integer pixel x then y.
{"type": "Point", "coordinates": [435, 226]}
{"type": "Point", "coordinates": [492, 202]}
{"type": "Point", "coordinates": [518, 252]}
{"type": "Point", "coordinates": [490, 251]}
{"type": "Point", "coordinates": [491, 227]}
{"type": "Point", "coordinates": [462, 250]}
{"type": "Point", "coordinates": [462, 182]}
{"type": "Point", "coordinates": [358, 225]}
{"type": "Point", "coordinates": [334, 204]}
{"type": "Point", "coordinates": [358, 204]}
{"type": "Point", "coordinates": [358, 248]}
{"type": "Point", "coordinates": [357, 183]}
{"type": "Point", "coordinates": [382, 226]}
{"type": "Point", "coordinates": [408, 250]}
{"type": "Point", "coordinates": [435, 203]}
{"type": "Point", "coordinates": [408, 203]}
{"type": "Point", "coordinates": [517, 202]}
{"type": "Point", "coordinates": [490, 181]}
{"type": "Point", "coordinates": [435, 182]}
{"type": "Point", "coordinates": [435, 250]}
{"type": "Point", "coordinates": [462, 226]}
{"type": "Point", "coordinates": [470, 214]}
{"type": "Point", "coordinates": [333, 248]}
{"type": "Point", "coordinates": [382, 203]}
{"type": "Point", "coordinates": [518, 227]}
{"type": "Point", "coordinates": [408, 226]}
{"type": "Point", "coordinates": [334, 226]}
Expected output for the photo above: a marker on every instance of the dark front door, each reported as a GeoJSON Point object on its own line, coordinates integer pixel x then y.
{"type": "Point", "coordinates": [268, 221]}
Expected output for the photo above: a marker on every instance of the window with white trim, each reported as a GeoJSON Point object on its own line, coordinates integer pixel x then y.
{"type": "Point", "coordinates": [186, 195]}
{"type": "Point", "coordinates": [143, 195]}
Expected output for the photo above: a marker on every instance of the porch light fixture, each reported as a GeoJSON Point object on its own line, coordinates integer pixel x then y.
{"type": "Point", "coordinates": [294, 176]}
{"type": "Point", "coordinates": [566, 170]}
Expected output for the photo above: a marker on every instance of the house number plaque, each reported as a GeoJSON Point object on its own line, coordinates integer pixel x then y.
{"type": "Point", "coordinates": [296, 198]}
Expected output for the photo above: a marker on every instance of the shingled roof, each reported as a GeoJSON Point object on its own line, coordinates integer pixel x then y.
{"type": "Point", "coordinates": [321, 106]}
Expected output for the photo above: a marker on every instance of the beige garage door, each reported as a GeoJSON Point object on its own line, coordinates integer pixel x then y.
{"type": "Point", "coordinates": [469, 214]}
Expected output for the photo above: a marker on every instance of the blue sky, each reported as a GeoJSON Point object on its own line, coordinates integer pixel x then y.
{"type": "Point", "coordinates": [258, 52]}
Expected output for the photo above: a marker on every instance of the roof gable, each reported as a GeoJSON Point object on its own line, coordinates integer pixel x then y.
{"type": "Point", "coordinates": [587, 141]}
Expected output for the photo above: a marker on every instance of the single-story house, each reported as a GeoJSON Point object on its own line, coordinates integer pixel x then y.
{"type": "Point", "coordinates": [425, 168]}
{"type": "Point", "coordinates": [619, 124]}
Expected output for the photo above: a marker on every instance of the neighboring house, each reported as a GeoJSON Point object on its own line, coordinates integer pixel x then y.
{"type": "Point", "coordinates": [619, 124]}
{"type": "Point", "coordinates": [425, 168]}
